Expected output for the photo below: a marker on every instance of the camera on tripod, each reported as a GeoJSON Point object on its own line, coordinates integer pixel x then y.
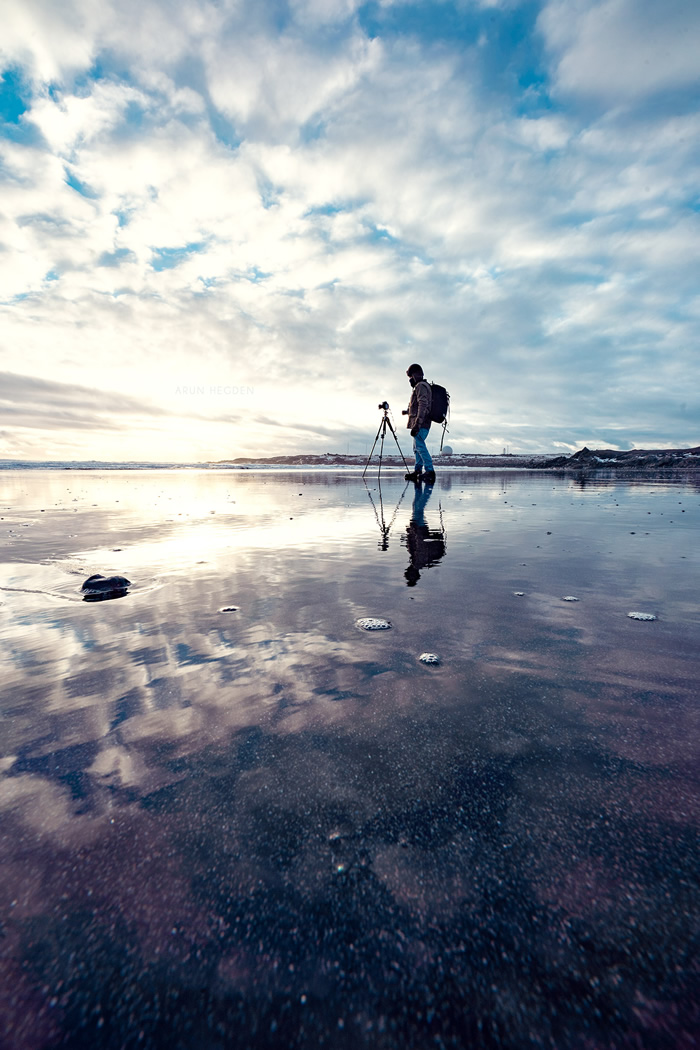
{"type": "Point", "coordinates": [384, 425]}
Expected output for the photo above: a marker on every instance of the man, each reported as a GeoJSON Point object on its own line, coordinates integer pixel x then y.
{"type": "Point", "coordinates": [419, 425]}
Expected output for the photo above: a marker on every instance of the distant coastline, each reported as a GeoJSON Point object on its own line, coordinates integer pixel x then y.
{"type": "Point", "coordinates": [583, 461]}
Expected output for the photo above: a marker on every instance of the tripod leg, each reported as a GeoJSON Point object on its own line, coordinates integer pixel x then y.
{"type": "Point", "coordinates": [373, 446]}
{"type": "Point", "coordinates": [381, 450]}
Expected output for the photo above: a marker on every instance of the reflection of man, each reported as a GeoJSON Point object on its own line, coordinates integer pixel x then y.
{"type": "Point", "coordinates": [425, 546]}
{"type": "Point", "coordinates": [419, 424]}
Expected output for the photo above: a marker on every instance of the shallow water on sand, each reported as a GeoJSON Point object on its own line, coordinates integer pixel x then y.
{"type": "Point", "coordinates": [268, 827]}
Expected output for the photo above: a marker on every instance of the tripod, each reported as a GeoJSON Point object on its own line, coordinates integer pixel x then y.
{"type": "Point", "coordinates": [385, 422]}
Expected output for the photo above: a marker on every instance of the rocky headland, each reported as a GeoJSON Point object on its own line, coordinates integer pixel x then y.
{"type": "Point", "coordinates": [583, 461]}
{"type": "Point", "coordinates": [634, 459]}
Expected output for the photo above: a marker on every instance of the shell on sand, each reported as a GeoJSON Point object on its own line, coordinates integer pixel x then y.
{"type": "Point", "coordinates": [641, 616]}
{"type": "Point", "coordinates": [371, 623]}
{"type": "Point", "coordinates": [429, 658]}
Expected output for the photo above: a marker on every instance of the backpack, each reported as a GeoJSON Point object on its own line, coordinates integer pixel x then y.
{"type": "Point", "coordinates": [440, 403]}
{"type": "Point", "coordinates": [439, 408]}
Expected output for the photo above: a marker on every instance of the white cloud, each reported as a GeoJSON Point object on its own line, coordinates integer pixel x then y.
{"type": "Point", "coordinates": [70, 120]}
{"type": "Point", "coordinates": [49, 40]}
{"type": "Point", "coordinates": [322, 12]}
{"type": "Point", "coordinates": [620, 50]}
{"type": "Point", "coordinates": [270, 88]}
{"type": "Point", "coordinates": [543, 133]}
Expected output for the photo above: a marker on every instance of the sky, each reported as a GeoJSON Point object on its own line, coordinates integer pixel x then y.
{"type": "Point", "coordinates": [227, 227]}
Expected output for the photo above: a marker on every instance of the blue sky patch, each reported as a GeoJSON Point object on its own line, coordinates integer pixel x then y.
{"type": "Point", "coordinates": [327, 209]}
{"type": "Point", "coordinates": [426, 19]}
{"type": "Point", "coordinates": [80, 187]}
{"type": "Point", "coordinates": [255, 275]}
{"type": "Point", "coordinates": [134, 115]}
{"type": "Point", "coordinates": [269, 193]}
{"type": "Point", "coordinates": [378, 234]}
{"type": "Point", "coordinates": [24, 132]}
{"type": "Point", "coordinates": [313, 130]}
{"type": "Point", "coordinates": [123, 216]}
{"type": "Point", "coordinates": [169, 258]}
{"type": "Point", "coordinates": [19, 298]}
{"type": "Point", "coordinates": [223, 129]}
{"type": "Point", "coordinates": [13, 96]}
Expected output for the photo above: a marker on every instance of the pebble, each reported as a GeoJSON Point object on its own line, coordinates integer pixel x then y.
{"type": "Point", "coordinates": [99, 586]}
{"type": "Point", "coordinates": [519, 594]}
{"type": "Point", "coordinates": [429, 658]}
{"type": "Point", "coordinates": [570, 598]}
{"type": "Point", "coordinates": [229, 608]}
{"type": "Point", "coordinates": [641, 616]}
{"type": "Point", "coordinates": [369, 623]}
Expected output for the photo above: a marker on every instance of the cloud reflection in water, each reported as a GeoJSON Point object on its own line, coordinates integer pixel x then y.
{"type": "Point", "coordinates": [261, 824]}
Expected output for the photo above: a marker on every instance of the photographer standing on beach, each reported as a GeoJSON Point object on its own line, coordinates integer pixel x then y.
{"type": "Point", "coordinates": [418, 413]}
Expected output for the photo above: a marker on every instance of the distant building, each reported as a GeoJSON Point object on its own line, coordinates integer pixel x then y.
{"type": "Point", "coordinates": [447, 451]}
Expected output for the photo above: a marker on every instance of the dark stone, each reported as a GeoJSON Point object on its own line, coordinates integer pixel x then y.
{"type": "Point", "coordinates": [99, 588]}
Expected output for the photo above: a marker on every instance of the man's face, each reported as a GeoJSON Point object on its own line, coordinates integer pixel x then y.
{"type": "Point", "coordinates": [413, 378]}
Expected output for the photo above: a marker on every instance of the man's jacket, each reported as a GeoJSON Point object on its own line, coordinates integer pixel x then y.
{"type": "Point", "coordinates": [419, 406]}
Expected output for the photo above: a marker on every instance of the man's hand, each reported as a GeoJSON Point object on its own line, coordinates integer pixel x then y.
{"type": "Point", "coordinates": [415, 431]}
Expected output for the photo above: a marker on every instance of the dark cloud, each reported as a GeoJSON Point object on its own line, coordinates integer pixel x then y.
{"type": "Point", "coordinates": [340, 432]}
{"type": "Point", "coordinates": [41, 404]}
{"type": "Point", "coordinates": [28, 401]}
{"type": "Point", "coordinates": [47, 223]}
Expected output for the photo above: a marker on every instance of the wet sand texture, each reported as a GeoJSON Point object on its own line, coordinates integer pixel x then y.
{"type": "Point", "coordinates": [231, 818]}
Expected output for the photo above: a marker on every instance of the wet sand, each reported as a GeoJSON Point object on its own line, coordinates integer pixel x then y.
{"type": "Point", "coordinates": [268, 827]}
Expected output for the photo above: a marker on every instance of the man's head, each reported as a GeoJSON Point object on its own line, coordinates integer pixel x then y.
{"type": "Point", "coordinates": [414, 373]}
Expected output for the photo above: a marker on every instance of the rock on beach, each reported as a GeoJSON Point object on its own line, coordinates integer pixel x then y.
{"type": "Point", "coordinates": [99, 587]}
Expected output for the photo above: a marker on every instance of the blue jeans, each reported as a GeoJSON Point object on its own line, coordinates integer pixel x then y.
{"type": "Point", "coordinates": [423, 460]}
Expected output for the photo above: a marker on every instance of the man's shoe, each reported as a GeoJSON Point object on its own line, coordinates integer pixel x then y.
{"type": "Point", "coordinates": [429, 478]}
{"type": "Point", "coordinates": [415, 475]}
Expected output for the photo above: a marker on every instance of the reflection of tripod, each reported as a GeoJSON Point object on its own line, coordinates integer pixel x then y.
{"type": "Point", "coordinates": [386, 422]}
{"type": "Point", "coordinates": [379, 515]}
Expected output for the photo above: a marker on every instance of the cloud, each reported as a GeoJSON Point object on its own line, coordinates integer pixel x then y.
{"type": "Point", "coordinates": [273, 198]}
{"type": "Point", "coordinates": [618, 51]}
{"type": "Point", "coordinates": [30, 401]}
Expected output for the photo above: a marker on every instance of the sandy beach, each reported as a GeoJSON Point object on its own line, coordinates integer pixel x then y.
{"type": "Point", "coordinates": [231, 816]}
